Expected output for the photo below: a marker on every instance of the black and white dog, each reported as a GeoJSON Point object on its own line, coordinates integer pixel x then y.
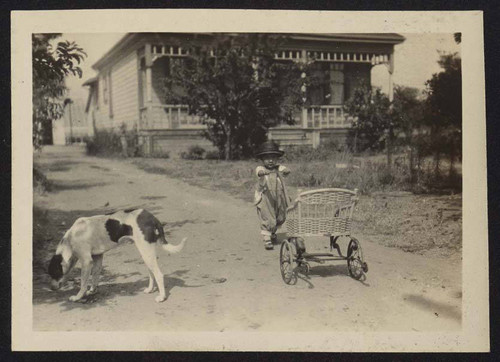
{"type": "Point", "coordinates": [90, 237]}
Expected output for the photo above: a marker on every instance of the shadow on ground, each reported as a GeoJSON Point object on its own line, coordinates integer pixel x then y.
{"type": "Point", "coordinates": [108, 291]}
{"type": "Point", "coordinates": [153, 197]}
{"type": "Point", "coordinates": [106, 169]}
{"type": "Point", "coordinates": [58, 186]}
{"type": "Point", "coordinates": [61, 166]}
{"type": "Point", "coordinates": [171, 226]}
{"type": "Point", "coordinates": [330, 270]}
{"type": "Point", "coordinates": [439, 309]}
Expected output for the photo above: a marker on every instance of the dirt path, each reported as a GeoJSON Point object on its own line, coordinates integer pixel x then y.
{"type": "Point", "coordinates": [224, 280]}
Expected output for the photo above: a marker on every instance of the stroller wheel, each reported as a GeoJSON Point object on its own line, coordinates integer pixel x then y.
{"type": "Point", "coordinates": [288, 262]}
{"type": "Point", "coordinates": [305, 267]}
{"type": "Point", "coordinates": [355, 264]}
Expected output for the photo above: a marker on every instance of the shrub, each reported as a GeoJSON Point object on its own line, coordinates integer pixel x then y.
{"type": "Point", "coordinates": [163, 154]}
{"type": "Point", "coordinates": [108, 143]}
{"type": "Point", "coordinates": [40, 182]}
{"type": "Point", "coordinates": [213, 155]}
{"type": "Point", "coordinates": [193, 153]}
{"type": "Point", "coordinates": [104, 143]}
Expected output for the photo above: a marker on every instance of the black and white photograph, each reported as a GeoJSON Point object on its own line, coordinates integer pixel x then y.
{"type": "Point", "coordinates": [315, 183]}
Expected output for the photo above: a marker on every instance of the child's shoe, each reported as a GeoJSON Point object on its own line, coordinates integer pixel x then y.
{"type": "Point", "coordinates": [269, 245]}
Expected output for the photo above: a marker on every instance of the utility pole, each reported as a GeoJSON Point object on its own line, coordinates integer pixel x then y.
{"type": "Point", "coordinates": [390, 131]}
{"type": "Point", "coordinates": [70, 124]}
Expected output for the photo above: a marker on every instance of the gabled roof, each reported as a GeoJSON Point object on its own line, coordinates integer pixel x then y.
{"type": "Point", "coordinates": [380, 38]}
{"type": "Point", "coordinates": [90, 81]}
{"type": "Point", "coordinates": [120, 44]}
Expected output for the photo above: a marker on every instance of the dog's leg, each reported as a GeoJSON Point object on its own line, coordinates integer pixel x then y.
{"type": "Point", "coordinates": [96, 272]}
{"type": "Point", "coordinates": [148, 252]}
{"type": "Point", "coordinates": [142, 247]}
{"type": "Point", "coordinates": [86, 268]}
{"type": "Point", "coordinates": [151, 285]}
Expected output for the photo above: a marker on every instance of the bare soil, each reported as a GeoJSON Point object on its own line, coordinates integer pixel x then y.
{"type": "Point", "coordinates": [224, 280]}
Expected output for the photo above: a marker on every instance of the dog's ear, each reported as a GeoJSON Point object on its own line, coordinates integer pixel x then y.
{"type": "Point", "coordinates": [55, 269]}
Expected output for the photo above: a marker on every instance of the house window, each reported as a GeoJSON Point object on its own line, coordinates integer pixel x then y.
{"type": "Point", "coordinates": [320, 92]}
{"type": "Point", "coordinates": [105, 89]}
{"type": "Point", "coordinates": [356, 76]}
{"type": "Point", "coordinates": [106, 92]}
{"type": "Point", "coordinates": [168, 92]}
{"type": "Point", "coordinates": [336, 84]}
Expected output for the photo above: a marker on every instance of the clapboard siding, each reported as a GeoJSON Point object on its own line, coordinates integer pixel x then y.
{"type": "Point", "coordinates": [125, 96]}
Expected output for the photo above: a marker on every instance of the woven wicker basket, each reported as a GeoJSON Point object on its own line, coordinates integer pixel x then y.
{"type": "Point", "coordinates": [321, 212]}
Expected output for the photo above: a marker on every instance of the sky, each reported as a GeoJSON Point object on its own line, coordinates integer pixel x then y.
{"type": "Point", "coordinates": [415, 60]}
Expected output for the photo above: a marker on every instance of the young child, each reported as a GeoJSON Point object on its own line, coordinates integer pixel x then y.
{"type": "Point", "coordinates": [271, 197]}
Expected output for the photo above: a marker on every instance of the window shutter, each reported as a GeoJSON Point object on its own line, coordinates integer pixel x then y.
{"type": "Point", "coordinates": [110, 95]}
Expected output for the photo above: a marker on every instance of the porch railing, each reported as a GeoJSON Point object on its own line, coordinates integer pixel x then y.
{"type": "Point", "coordinates": [168, 116]}
{"type": "Point", "coordinates": [328, 116]}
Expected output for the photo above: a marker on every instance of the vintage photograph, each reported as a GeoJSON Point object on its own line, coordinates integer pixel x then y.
{"type": "Point", "coordinates": [257, 182]}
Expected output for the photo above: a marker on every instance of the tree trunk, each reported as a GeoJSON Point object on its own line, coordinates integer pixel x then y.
{"type": "Point", "coordinates": [389, 148]}
{"type": "Point", "coordinates": [452, 163]}
{"type": "Point", "coordinates": [437, 153]}
{"type": "Point", "coordinates": [227, 151]}
{"type": "Point", "coordinates": [356, 142]}
{"type": "Point", "coordinates": [411, 164]}
{"type": "Point", "coordinates": [437, 160]}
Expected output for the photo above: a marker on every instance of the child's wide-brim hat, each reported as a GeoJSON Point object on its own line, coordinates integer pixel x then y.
{"type": "Point", "coordinates": [269, 148]}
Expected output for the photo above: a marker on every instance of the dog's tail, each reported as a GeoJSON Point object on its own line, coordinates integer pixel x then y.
{"type": "Point", "coordinates": [172, 249]}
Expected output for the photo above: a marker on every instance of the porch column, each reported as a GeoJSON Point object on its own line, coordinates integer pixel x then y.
{"type": "Point", "coordinates": [304, 117]}
{"type": "Point", "coordinates": [391, 71]}
{"type": "Point", "coordinates": [390, 68]}
{"type": "Point", "coordinates": [148, 63]}
{"type": "Point", "coordinates": [304, 91]}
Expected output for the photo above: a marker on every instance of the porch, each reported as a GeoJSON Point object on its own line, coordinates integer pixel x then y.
{"type": "Point", "coordinates": [342, 65]}
{"type": "Point", "coordinates": [163, 122]}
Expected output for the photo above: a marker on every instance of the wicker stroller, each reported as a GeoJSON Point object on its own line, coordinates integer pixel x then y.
{"type": "Point", "coordinates": [324, 212]}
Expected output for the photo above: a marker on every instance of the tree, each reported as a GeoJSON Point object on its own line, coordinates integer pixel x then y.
{"type": "Point", "coordinates": [238, 88]}
{"type": "Point", "coordinates": [443, 108]}
{"type": "Point", "coordinates": [381, 124]}
{"type": "Point", "coordinates": [371, 109]}
{"type": "Point", "coordinates": [50, 67]}
{"type": "Point", "coordinates": [407, 116]}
